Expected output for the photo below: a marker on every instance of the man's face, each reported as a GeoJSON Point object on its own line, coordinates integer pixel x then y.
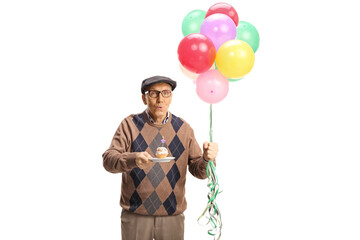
{"type": "Point", "coordinates": [158, 106]}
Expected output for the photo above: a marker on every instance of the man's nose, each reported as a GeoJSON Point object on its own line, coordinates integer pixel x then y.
{"type": "Point", "coordinates": [160, 98]}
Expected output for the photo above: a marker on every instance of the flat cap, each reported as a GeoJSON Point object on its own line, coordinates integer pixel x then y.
{"type": "Point", "coordinates": [156, 79]}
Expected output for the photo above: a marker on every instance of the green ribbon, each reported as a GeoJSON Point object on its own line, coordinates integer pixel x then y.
{"type": "Point", "coordinates": [212, 209]}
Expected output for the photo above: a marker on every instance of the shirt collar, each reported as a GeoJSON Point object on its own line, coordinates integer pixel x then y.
{"type": "Point", "coordinates": [152, 120]}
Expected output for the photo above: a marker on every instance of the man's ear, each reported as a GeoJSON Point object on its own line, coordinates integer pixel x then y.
{"type": "Point", "coordinates": [144, 99]}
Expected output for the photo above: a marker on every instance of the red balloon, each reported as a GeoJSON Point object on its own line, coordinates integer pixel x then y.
{"type": "Point", "coordinates": [196, 53]}
{"type": "Point", "coordinates": [224, 8]}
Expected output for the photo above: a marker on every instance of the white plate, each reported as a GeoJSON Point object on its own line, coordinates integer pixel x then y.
{"type": "Point", "coordinates": [167, 159]}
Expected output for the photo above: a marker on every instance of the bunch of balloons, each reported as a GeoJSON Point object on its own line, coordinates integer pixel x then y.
{"type": "Point", "coordinates": [216, 48]}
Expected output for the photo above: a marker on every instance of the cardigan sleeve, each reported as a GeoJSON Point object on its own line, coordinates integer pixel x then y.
{"type": "Point", "coordinates": [118, 157]}
{"type": "Point", "coordinates": [196, 162]}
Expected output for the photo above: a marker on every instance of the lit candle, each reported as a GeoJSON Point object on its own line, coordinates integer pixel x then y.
{"type": "Point", "coordinates": [162, 141]}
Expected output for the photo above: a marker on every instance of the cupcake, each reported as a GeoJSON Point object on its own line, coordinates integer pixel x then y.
{"type": "Point", "coordinates": [161, 152]}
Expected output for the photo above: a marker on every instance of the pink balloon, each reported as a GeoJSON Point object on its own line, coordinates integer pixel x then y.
{"type": "Point", "coordinates": [212, 86]}
{"type": "Point", "coordinates": [220, 28]}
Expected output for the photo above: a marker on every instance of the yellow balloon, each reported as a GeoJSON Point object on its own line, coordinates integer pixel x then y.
{"type": "Point", "coordinates": [235, 59]}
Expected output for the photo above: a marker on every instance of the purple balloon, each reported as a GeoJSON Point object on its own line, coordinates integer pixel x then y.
{"type": "Point", "coordinates": [212, 86]}
{"type": "Point", "coordinates": [220, 28]}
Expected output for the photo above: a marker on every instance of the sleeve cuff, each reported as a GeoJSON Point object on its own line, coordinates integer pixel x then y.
{"type": "Point", "coordinates": [130, 160]}
{"type": "Point", "coordinates": [206, 161]}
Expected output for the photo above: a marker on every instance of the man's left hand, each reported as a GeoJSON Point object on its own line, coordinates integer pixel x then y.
{"type": "Point", "coordinates": [210, 150]}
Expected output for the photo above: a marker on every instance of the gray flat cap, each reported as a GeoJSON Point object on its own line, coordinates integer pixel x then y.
{"type": "Point", "coordinates": [156, 79]}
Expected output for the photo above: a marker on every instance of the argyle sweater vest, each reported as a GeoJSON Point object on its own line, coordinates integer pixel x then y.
{"type": "Point", "coordinates": [158, 189]}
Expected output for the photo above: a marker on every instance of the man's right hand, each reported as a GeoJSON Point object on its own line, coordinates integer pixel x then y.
{"type": "Point", "coordinates": [142, 159]}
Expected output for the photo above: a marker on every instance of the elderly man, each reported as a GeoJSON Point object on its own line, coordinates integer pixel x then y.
{"type": "Point", "coordinates": [153, 193]}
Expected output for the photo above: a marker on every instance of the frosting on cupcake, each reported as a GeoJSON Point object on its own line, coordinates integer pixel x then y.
{"type": "Point", "coordinates": [161, 152]}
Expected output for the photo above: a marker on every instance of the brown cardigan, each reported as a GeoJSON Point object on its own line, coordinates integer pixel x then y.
{"type": "Point", "coordinates": [160, 188]}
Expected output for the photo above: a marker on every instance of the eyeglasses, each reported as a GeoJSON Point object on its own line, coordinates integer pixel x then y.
{"type": "Point", "coordinates": [155, 93]}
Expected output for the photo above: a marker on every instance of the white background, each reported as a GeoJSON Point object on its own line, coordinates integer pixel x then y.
{"type": "Point", "coordinates": [288, 133]}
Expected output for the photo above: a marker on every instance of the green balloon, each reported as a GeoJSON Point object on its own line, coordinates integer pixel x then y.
{"type": "Point", "coordinates": [248, 33]}
{"type": "Point", "coordinates": [234, 80]}
{"type": "Point", "coordinates": [192, 22]}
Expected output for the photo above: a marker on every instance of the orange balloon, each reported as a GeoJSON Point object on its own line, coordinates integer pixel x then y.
{"type": "Point", "coordinates": [193, 76]}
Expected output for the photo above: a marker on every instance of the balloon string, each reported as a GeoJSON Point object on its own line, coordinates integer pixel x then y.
{"type": "Point", "coordinates": [211, 129]}
{"type": "Point", "coordinates": [214, 216]}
